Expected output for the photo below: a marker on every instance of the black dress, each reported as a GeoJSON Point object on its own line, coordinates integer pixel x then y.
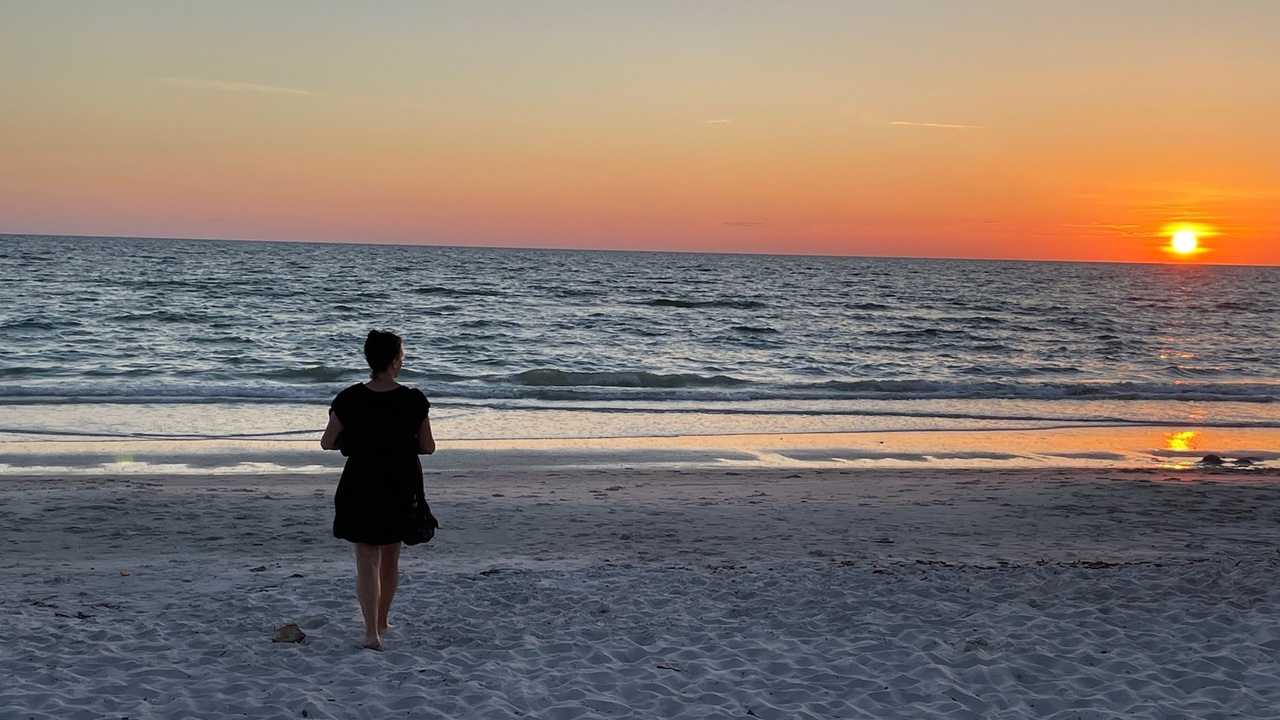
{"type": "Point", "coordinates": [382, 474]}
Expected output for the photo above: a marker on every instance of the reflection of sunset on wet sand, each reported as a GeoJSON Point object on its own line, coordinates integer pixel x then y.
{"type": "Point", "coordinates": [1181, 441]}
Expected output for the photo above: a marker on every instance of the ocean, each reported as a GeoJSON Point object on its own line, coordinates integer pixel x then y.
{"type": "Point", "coordinates": [147, 340]}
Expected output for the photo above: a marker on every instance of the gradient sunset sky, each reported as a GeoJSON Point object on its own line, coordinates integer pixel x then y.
{"type": "Point", "coordinates": [1078, 130]}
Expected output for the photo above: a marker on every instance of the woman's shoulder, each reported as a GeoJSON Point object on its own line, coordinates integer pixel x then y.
{"type": "Point", "coordinates": [414, 395]}
{"type": "Point", "coordinates": [414, 392]}
{"type": "Point", "coordinates": [351, 391]}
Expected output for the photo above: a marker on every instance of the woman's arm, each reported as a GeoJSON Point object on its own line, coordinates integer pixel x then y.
{"type": "Point", "coordinates": [329, 441]}
{"type": "Point", "coordinates": [426, 441]}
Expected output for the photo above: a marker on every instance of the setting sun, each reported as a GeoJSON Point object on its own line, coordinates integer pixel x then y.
{"type": "Point", "coordinates": [1183, 242]}
{"type": "Point", "coordinates": [1186, 240]}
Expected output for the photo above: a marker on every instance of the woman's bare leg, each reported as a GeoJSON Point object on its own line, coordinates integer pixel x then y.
{"type": "Point", "coordinates": [368, 590]}
{"type": "Point", "coordinates": [389, 577]}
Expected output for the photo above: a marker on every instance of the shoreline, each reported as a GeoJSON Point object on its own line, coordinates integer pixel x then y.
{"type": "Point", "coordinates": [1247, 449]}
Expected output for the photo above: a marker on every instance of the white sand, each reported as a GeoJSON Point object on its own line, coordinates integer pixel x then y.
{"type": "Point", "coordinates": [654, 594]}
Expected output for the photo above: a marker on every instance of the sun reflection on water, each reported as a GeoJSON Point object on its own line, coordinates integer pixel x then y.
{"type": "Point", "coordinates": [1181, 441]}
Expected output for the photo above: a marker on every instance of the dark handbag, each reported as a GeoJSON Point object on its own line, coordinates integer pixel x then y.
{"type": "Point", "coordinates": [422, 524]}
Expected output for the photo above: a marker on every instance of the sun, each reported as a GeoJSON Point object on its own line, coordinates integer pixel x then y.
{"type": "Point", "coordinates": [1184, 242]}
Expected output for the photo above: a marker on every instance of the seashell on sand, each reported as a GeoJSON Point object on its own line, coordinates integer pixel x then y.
{"type": "Point", "coordinates": [290, 633]}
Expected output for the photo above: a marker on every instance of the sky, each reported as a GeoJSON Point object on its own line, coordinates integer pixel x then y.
{"type": "Point", "coordinates": [1081, 130]}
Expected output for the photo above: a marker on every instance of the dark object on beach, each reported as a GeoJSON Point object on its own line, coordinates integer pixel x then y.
{"type": "Point", "coordinates": [1212, 460]}
{"type": "Point", "coordinates": [290, 633]}
{"type": "Point", "coordinates": [1245, 462]}
{"type": "Point", "coordinates": [422, 524]}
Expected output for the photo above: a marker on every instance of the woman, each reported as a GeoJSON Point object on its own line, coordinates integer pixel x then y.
{"type": "Point", "coordinates": [381, 426]}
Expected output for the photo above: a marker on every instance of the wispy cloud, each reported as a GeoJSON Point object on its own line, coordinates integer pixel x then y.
{"type": "Point", "coordinates": [948, 126]}
{"type": "Point", "coordinates": [1122, 229]}
{"type": "Point", "coordinates": [717, 122]}
{"type": "Point", "coordinates": [745, 223]}
{"type": "Point", "coordinates": [226, 86]}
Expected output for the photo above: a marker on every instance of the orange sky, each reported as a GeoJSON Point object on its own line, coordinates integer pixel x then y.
{"type": "Point", "coordinates": [1005, 129]}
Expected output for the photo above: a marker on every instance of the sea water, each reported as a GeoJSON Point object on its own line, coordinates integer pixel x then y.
{"type": "Point", "coordinates": [205, 341]}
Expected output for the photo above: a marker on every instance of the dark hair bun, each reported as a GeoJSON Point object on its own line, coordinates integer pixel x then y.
{"type": "Point", "coordinates": [381, 349]}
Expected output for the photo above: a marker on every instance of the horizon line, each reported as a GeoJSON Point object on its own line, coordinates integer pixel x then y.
{"type": "Point", "coordinates": [632, 250]}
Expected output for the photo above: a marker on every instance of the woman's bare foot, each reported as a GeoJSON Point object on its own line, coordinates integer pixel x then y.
{"type": "Point", "coordinates": [384, 626]}
{"type": "Point", "coordinates": [372, 643]}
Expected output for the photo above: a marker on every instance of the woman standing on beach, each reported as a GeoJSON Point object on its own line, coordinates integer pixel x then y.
{"type": "Point", "coordinates": [381, 426]}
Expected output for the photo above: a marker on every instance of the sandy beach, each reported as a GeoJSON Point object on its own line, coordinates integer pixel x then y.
{"type": "Point", "coordinates": [654, 593]}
